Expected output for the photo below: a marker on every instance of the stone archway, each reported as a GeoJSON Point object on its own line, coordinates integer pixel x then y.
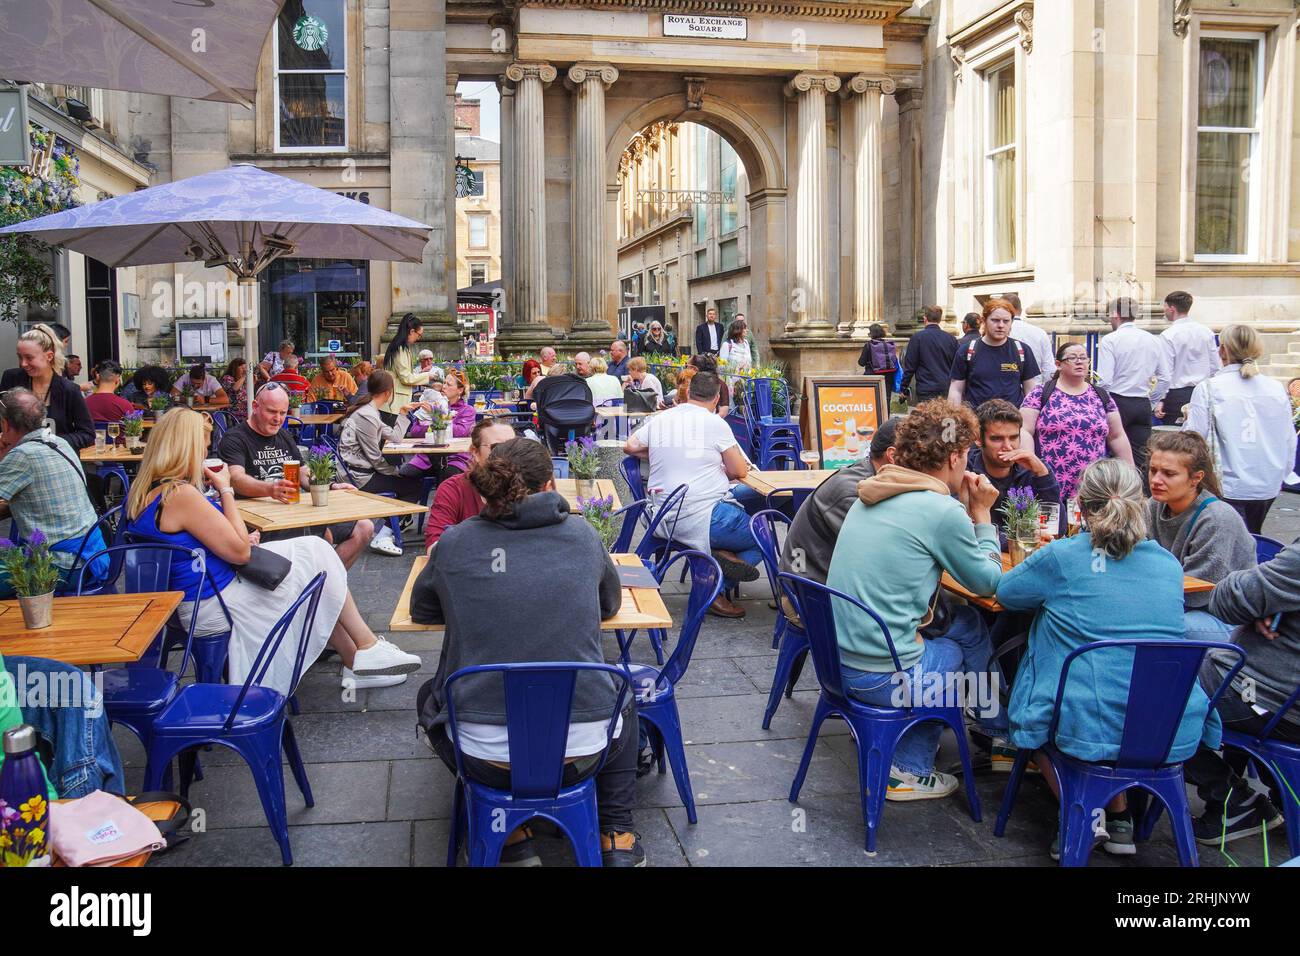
{"type": "Point", "coordinates": [765, 165]}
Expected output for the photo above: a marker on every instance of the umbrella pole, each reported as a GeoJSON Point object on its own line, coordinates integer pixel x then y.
{"type": "Point", "coordinates": [250, 323]}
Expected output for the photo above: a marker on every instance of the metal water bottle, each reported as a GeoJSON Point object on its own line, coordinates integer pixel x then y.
{"type": "Point", "coordinates": [24, 810]}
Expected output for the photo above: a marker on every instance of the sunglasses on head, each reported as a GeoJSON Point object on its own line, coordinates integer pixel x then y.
{"type": "Point", "coordinates": [270, 387]}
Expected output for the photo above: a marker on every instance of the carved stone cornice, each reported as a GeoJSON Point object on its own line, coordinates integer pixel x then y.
{"type": "Point", "coordinates": [1025, 23]}
{"type": "Point", "coordinates": [875, 11]}
{"type": "Point", "coordinates": [804, 82]}
{"type": "Point", "coordinates": [866, 81]}
{"type": "Point", "coordinates": [958, 54]}
{"type": "Point", "coordinates": [579, 73]}
{"type": "Point", "coordinates": [517, 72]}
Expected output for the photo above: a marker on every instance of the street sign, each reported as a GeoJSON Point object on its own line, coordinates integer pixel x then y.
{"type": "Point", "coordinates": [15, 139]}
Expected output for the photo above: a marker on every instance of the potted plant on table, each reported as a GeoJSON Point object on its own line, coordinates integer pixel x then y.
{"type": "Point", "coordinates": [584, 464]}
{"type": "Point", "coordinates": [599, 513]}
{"type": "Point", "coordinates": [187, 393]}
{"type": "Point", "coordinates": [295, 402]}
{"type": "Point", "coordinates": [133, 429]}
{"type": "Point", "coordinates": [439, 426]}
{"type": "Point", "coordinates": [33, 575]}
{"type": "Point", "coordinates": [322, 471]}
{"type": "Point", "coordinates": [1021, 524]}
{"type": "Point", "coordinates": [159, 405]}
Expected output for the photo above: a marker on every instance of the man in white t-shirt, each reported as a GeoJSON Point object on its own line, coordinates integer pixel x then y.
{"type": "Point", "coordinates": [1039, 342]}
{"type": "Point", "coordinates": [691, 445]}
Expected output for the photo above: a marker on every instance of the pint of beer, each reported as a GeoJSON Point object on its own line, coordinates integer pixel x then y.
{"type": "Point", "coordinates": [1074, 517]}
{"type": "Point", "coordinates": [291, 475]}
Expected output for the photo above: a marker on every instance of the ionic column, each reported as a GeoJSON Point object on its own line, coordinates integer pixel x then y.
{"type": "Point", "coordinates": [909, 100]}
{"type": "Point", "coordinates": [811, 240]}
{"type": "Point", "coordinates": [508, 229]}
{"type": "Point", "coordinates": [589, 82]}
{"type": "Point", "coordinates": [529, 149]}
{"type": "Point", "coordinates": [863, 94]}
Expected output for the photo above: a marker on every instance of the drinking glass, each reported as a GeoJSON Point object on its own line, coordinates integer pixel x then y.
{"type": "Point", "coordinates": [1049, 519]}
{"type": "Point", "coordinates": [114, 429]}
{"type": "Point", "coordinates": [100, 442]}
{"type": "Point", "coordinates": [1074, 517]}
{"type": "Point", "coordinates": [810, 459]}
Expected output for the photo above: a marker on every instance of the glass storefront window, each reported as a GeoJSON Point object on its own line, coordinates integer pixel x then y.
{"type": "Point", "coordinates": [311, 75]}
{"type": "Point", "coordinates": [313, 301]}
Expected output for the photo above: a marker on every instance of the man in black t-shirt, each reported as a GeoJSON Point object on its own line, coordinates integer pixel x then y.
{"type": "Point", "coordinates": [256, 450]}
{"type": "Point", "coordinates": [994, 365]}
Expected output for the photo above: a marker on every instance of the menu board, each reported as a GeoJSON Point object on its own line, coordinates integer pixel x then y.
{"type": "Point", "coordinates": [842, 415]}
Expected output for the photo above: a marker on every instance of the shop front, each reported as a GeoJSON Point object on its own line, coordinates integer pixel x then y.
{"type": "Point", "coordinates": [321, 305]}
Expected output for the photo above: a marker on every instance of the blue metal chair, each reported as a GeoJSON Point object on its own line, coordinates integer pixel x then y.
{"type": "Point", "coordinates": [1282, 760]}
{"type": "Point", "coordinates": [118, 472]}
{"type": "Point", "coordinates": [1266, 549]}
{"type": "Point", "coordinates": [1161, 680]}
{"type": "Point", "coordinates": [656, 700]}
{"type": "Point", "coordinates": [393, 523]}
{"type": "Point", "coordinates": [875, 730]}
{"type": "Point", "coordinates": [560, 464]}
{"type": "Point", "coordinates": [631, 467]}
{"type": "Point", "coordinates": [631, 516]}
{"type": "Point", "coordinates": [788, 501]}
{"type": "Point", "coordinates": [792, 640]}
{"type": "Point", "coordinates": [249, 719]}
{"type": "Point", "coordinates": [538, 701]}
{"type": "Point", "coordinates": [111, 527]}
{"type": "Point", "coordinates": [654, 552]}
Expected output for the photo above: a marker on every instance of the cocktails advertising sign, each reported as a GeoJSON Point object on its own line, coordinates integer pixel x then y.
{"type": "Point", "coordinates": [844, 414]}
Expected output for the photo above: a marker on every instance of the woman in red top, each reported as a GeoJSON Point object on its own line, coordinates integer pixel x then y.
{"type": "Point", "coordinates": [456, 499]}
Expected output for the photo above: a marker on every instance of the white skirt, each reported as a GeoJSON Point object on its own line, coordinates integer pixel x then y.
{"type": "Point", "coordinates": [255, 611]}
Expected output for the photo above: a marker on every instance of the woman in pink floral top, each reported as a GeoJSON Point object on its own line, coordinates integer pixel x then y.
{"type": "Point", "coordinates": [1076, 428]}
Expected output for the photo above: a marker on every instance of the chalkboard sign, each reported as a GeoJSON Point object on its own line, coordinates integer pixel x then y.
{"type": "Point", "coordinates": [201, 340]}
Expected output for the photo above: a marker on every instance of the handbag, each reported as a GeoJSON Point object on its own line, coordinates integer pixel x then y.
{"type": "Point", "coordinates": [264, 568]}
{"type": "Point", "coordinates": [101, 829]}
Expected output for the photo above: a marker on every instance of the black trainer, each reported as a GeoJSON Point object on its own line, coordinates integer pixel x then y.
{"type": "Point", "coordinates": [733, 568]}
{"type": "Point", "coordinates": [1242, 820]}
{"type": "Point", "coordinates": [523, 853]}
{"type": "Point", "coordinates": [621, 849]}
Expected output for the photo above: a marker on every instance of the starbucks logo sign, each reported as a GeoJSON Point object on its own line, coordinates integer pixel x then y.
{"type": "Point", "coordinates": [310, 32]}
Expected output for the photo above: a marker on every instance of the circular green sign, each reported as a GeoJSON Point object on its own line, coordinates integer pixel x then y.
{"type": "Point", "coordinates": [310, 32]}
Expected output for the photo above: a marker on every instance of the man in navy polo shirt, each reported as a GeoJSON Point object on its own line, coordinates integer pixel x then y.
{"type": "Point", "coordinates": [994, 365]}
{"type": "Point", "coordinates": [1007, 465]}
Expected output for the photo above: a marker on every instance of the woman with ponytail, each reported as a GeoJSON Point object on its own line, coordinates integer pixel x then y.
{"type": "Point", "coordinates": [399, 359]}
{"type": "Point", "coordinates": [40, 369]}
{"type": "Point", "coordinates": [1108, 583]}
{"type": "Point", "coordinates": [1246, 419]}
{"type": "Point", "coordinates": [482, 582]}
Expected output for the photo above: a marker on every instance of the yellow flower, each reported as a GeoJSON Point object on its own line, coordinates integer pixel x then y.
{"type": "Point", "coordinates": [5, 841]}
{"type": "Point", "coordinates": [33, 809]}
{"type": "Point", "coordinates": [37, 835]}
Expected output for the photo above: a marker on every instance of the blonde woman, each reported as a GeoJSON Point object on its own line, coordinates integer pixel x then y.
{"type": "Point", "coordinates": [40, 369]}
{"type": "Point", "coordinates": [399, 359]}
{"type": "Point", "coordinates": [604, 387]}
{"type": "Point", "coordinates": [167, 504]}
{"type": "Point", "coordinates": [1246, 419]}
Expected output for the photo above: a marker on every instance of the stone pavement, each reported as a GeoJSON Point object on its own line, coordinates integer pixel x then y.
{"type": "Point", "coordinates": [383, 799]}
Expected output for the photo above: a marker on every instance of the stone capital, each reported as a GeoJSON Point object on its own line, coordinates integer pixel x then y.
{"type": "Point", "coordinates": [1025, 24]}
{"type": "Point", "coordinates": [518, 72]}
{"type": "Point", "coordinates": [909, 97]}
{"type": "Point", "coordinates": [865, 82]}
{"type": "Point", "coordinates": [579, 73]}
{"type": "Point", "coordinates": [806, 82]}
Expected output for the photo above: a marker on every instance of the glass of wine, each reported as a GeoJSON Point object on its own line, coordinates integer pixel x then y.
{"type": "Point", "coordinates": [113, 430]}
{"type": "Point", "coordinates": [810, 459]}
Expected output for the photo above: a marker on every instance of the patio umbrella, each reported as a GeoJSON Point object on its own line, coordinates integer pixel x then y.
{"type": "Point", "coordinates": [200, 49]}
{"type": "Point", "coordinates": [242, 218]}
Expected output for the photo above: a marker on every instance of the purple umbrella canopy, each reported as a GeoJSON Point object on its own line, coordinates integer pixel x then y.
{"type": "Point", "coordinates": [200, 49]}
{"type": "Point", "coordinates": [240, 217]}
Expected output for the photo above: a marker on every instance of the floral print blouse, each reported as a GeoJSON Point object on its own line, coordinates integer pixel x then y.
{"type": "Point", "coordinates": [1071, 433]}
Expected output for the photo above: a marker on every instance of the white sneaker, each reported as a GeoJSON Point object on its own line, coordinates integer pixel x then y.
{"type": "Point", "coordinates": [384, 543]}
{"type": "Point", "coordinates": [384, 658]}
{"type": "Point", "coordinates": [908, 786]}
{"type": "Point", "coordinates": [351, 680]}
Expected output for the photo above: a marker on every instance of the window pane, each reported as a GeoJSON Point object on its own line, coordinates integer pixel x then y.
{"type": "Point", "coordinates": [1002, 107]}
{"type": "Point", "coordinates": [478, 231]}
{"type": "Point", "coordinates": [702, 262]}
{"type": "Point", "coordinates": [476, 183]}
{"type": "Point", "coordinates": [477, 272]}
{"type": "Point", "coordinates": [1222, 194]}
{"type": "Point", "coordinates": [729, 254]}
{"type": "Point", "coordinates": [727, 164]}
{"type": "Point", "coordinates": [311, 109]}
{"type": "Point", "coordinates": [1227, 82]}
{"type": "Point", "coordinates": [312, 35]}
{"type": "Point", "coordinates": [1002, 168]}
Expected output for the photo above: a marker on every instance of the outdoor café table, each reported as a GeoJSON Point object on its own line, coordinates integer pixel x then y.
{"type": "Point", "coordinates": [320, 419]}
{"type": "Point", "coordinates": [1190, 586]}
{"type": "Point", "coordinates": [642, 607]}
{"type": "Point", "coordinates": [766, 482]}
{"type": "Point", "coordinates": [414, 446]}
{"type": "Point", "coordinates": [117, 454]}
{"type": "Point", "coordinates": [103, 629]}
{"type": "Point", "coordinates": [568, 487]}
{"type": "Point", "coordinates": [267, 514]}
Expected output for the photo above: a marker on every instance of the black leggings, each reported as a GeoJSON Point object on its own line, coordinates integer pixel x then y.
{"type": "Point", "coordinates": [407, 489]}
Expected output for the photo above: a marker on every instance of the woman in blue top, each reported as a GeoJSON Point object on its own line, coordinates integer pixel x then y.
{"type": "Point", "coordinates": [166, 504]}
{"type": "Point", "coordinates": [1109, 583]}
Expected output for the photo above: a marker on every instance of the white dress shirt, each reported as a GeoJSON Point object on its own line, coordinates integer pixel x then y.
{"type": "Point", "coordinates": [1253, 434]}
{"type": "Point", "coordinates": [1039, 342]}
{"type": "Point", "coordinates": [1128, 359]}
{"type": "Point", "coordinates": [1191, 352]}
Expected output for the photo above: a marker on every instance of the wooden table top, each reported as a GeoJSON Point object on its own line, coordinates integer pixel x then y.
{"type": "Point", "coordinates": [319, 419]}
{"type": "Point", "coordinates": [412, 446]}
{"type": "Point", "coordinates": [117, 453]}
{"type": "Point", "coordinates": [642, 607]}
{"type": "Point", "coordinates": [1190, 586]}
{"type": "Point", "coordinates": [619, 411]}
{"type": "Point", "coordinates": [569, 488]}
{"type": "Point", "coordinates": [766, 482]}
{"type": "Point", "coordinates": [104, 629]}
{"type": "Point", "coordinates": [267, 514]}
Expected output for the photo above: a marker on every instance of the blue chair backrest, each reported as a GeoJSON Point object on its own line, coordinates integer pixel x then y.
{"type": "Point", "coordinates": [814, 604]}
{"type": "Point", "coordinates": [763, 526]}
{"type": "Point", "coordinates": [1281, 713]}
{"type": "Point", "coordinates": [667, 511]}
{"type": "Point", "coordinates": [538, 700]}
{"type": "Point", "coordinates": [1266, 549]}
{"type": "Point", "coordinates": [706, 583]}
{"type": "Point", "coordinates": [560, 464]}
{"type": "Point", "coordinates": [310, 597]}
{"type": "Point", "coordinates": [631, 466]}
{"type": "Point", "coordinates": [631, 519]}
{"type": "Point", "coordinates": [112, 527]}
{"type": "Point", "coordinates": [1160, 682]}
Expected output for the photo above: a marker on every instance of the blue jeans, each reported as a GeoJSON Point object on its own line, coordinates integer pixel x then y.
{"type": "Point", "coordinates": [729, 530]}
{"type": "Point", "coordinates": [76, 728]}
{"type": "Point", "coordinates": [1204, 626]}
{"type": "Point", "coordinates": [964, 648]}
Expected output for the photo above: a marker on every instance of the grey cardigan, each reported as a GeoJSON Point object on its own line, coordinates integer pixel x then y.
{"type": "Point", "coordinates": [362, 442]}
{"type": "Point", "coordinates": [1213, 548]}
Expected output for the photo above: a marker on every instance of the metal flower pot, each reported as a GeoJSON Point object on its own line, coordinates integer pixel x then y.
{"type": "Point", "coordinates": [38, 611]}
{"type": "Point", "coordinates": [320, 495]}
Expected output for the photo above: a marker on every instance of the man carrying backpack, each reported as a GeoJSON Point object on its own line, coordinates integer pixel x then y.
{"type": "Point", "coordinates": [993, 365]}
{"type": "Point", "coordinates": [880, 357]}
